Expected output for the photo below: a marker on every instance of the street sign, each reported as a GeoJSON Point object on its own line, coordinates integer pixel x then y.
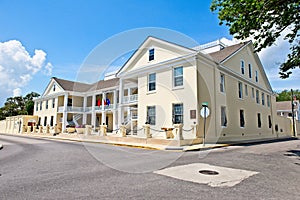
{"type": "Point", "coordinates": [205, 104]}
{"type": "Point", "coordinates": [204, 113]}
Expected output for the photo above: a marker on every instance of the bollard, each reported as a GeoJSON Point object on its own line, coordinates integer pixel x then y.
{"type": "Point", "coordinates": [195, 130]}
{"type": "Point", "coordinates": [178, 131]}
{"type": "Point", "coordinates": [88, 130]}
{"type": "Point", "coordinates": [147, 131]}
{"type": "Point", "coordinates": [123, 131]}
{"type": "Point", "coordinates": [47, 129]}
{"type": "Point", "coordinates": [103, 130]}
{"type": "Point", "coordinates": [28, 129]}
{"type": "Point", "coordinates": [40, 129]}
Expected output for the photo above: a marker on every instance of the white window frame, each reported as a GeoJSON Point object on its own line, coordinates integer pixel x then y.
{"type": "Point", "coordinates": [178, 76]}
{"type": "Point", "coordinates": [151, 82]}
{"type": "Point", "coordinates": [240, 90]}
{"type": "Point", "coordinates": [151, 57]}
{"type": "Point", "coordinates": [149, 115]}
{"type": "Point", "coordinates": [246, 89]}
{"type": "Point", "coordinates": [256, 76]}
{"type": "Point", "coordinates": [222, 83]}
{"type": "Point", "coordinates": [250, 70]}
{"type": "Point", "coordinates": [242, 66]}
{"type": "Point", "coordinates": [257, 97]}
{"type": "Point", "coordinates": [224, 120]}
{"type": "Point", "coordinates": [176, 114]}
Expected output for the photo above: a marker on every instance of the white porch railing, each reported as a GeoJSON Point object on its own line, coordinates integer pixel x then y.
{"type": "Point", "coordinates": [130, 99]}
{"type": "Point", "coordinates": [70, 109]}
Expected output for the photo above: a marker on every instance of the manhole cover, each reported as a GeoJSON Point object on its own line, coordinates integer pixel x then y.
{"type": "Point", "coordinates": [208, 172]}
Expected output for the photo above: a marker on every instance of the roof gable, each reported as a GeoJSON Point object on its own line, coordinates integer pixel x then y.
{"type": "Point", "coordinates": [163, 51]}
{"type": "Point", "coordinates": [225, 53]}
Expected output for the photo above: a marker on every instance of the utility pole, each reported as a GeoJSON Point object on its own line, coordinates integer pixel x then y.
{"type": "Point", "coordinates": [293, 115]}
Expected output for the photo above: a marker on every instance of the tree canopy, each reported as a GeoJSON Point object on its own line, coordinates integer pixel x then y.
{"type": "Point", "coordinates": [18, 105]}
{"type": "Point", "coordinates": [286, 95]}
{"type": "Point", "coordinates": [265, 21]}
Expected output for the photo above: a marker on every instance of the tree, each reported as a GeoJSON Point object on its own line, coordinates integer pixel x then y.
{"type": "Point", "coordinates": [18, 105]}
{"type": "Point", "coordinates": [286, 95]}
{"type": "Point", "coordinates": [265, 21]}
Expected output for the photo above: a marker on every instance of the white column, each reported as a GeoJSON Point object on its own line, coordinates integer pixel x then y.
{"type": "Point", "coordinates": [121, 96]}
{"type": "Point", "coordinates": [65, 113]}
{"type": "Point", "coordinates": [84, 110]}
{"type": "Point", "coordinates": [115, 119]}
{"type": "Point", "coordinates": [115, 99]}
{"type": "Point", "coordinates": [93, 110]}
{"type": "Point", "coordinates": [103, 109]}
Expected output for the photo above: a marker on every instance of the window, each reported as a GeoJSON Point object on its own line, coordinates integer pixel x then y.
{"type": "Point", "coordinates": [54, 87]}
{"type": "Point", "coordinates": [242, 67]}
{"type": "Point", "coordinates": [246, 90]}
{"type": "Point", "coordinates": [53, 103]}
{"type": "Point", "coordinates": [268, 101]}
{"type": "Point", "coordinates": [257, 96]}
{"type": "Point", "coordinates": [256, 75]}
{"type": "Point", "coordinates": [253, 95]}
{"type": "Point", "coordinates": [258, 120]}
{"type": "Point", "coordinates": [39, 121]}
{"type": "Point", "coordinates": [152, 82]}
{"type": "Point", "coordinates": [46, 104]}
{"type": "Point", "coordinates": [270, 121]}
{"type": "Point", "coordinates": [45, 121]}
{"type": "Point", "coordinates": [178, 76]}
{"type": "Point", "coordinates": [151, 112]}
{"type": "Point", "coordinates": [41, 105]}
{"type": "Point", "coordinates": [178, 113]}
{"type": "Point", "coordinates": [151, 54]}
{"type": "Point", "coordinates": [36, 106]}
{"type": "Point", "coordinates": [51, 121]}
{"type": "Point", "coordinates": [263, 99]}
{"type": "Point", "coordinates": [250, 70]}
{"type": "Point", "coordinates": [70, 102]}
{"type": "Point", "coordinates": [242, 119]}
{"type": "Point", "coordinates": [223, 116]}
{"type": "Point", "coordinates": [222, 83]}
{"type": "Point", "coordinates": [240, 90]}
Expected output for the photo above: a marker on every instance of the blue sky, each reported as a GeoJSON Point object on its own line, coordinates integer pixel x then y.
{"type": "Point", "coordinates": [68, 30]}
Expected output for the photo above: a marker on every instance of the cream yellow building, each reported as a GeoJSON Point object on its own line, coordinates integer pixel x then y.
{"type": "Point", "coordinates": [164, 86]}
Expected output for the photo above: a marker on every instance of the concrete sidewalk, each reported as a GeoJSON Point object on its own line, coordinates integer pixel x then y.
{"type": "Point", "coordinates": [131, 141]}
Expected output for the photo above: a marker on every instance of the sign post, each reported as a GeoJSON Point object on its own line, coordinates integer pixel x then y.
{"type": "Point", "coordinates": [204, 112]}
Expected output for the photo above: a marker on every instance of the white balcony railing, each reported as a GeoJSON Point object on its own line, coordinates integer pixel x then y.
{"type": "Point", "coordinates": [70, 109]}
{"type": "Point", "coordinates": [88, 109]}
{"type": "Point", "coordinates": [130, 99]}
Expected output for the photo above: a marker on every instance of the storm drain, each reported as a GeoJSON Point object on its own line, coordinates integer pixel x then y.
{"type": "Point", "coordinates": [208, 172]}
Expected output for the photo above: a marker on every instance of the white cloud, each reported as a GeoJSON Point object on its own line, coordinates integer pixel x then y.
{"type": "Point", "coordinates": [17, 92]}
{"type": "Point", "coordinates": [18, 67]}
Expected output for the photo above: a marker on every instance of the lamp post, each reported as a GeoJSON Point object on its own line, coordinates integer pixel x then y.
{"type": "Point", "coordinates": [293, 116]}
{"type": "Point", "coordinates": [204, 113]}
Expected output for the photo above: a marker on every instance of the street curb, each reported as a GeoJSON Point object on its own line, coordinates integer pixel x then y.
{"type": "Point", "coordinates": [1, 146]}
{"type": "Point", "coordinates": [87, 141]}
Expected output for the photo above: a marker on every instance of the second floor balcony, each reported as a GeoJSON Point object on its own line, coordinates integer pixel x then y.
{"type": "Point", "coordinates": [130, 99]}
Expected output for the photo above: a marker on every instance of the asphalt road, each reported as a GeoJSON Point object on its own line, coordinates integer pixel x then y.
{"type": "Point", "coordinates": [50, 169]}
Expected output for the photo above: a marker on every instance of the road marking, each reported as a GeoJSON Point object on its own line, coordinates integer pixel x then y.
{"type": "Point", "coordinates": [227, 177]}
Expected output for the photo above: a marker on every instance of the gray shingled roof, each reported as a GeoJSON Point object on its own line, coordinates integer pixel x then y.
{"type": "Point", "coordinates": [221, 55]}
{"type": "Point", "coordinates": [83, 87]}
{"type": "Point", "coordinates": [286, 105]}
